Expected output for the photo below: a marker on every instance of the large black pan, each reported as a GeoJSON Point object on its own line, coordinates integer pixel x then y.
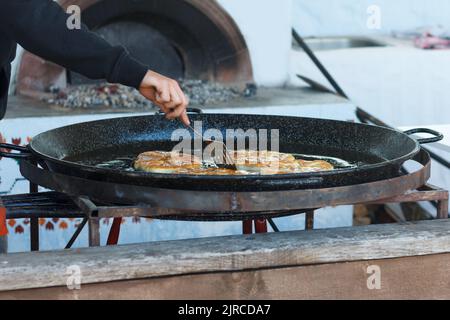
{"type": "Point", "coordinates": [377, 152]}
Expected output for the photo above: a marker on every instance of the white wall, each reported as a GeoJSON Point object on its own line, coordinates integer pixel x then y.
{"type": "Point", "coordinates": [266, 26]}
{"type": "Point", "coordinates": [349, 17]}
{"type": "Point", "coordinates": [402, 85]}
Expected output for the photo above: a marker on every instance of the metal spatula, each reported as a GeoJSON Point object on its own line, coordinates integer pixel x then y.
{"type": "Point", "coordinates": [228, 162]}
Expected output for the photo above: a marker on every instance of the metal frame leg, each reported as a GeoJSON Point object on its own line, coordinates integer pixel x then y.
{"type": "Point", "coordinates": [76, 234]}
{"type": "Point", "coordinates": [91, 211]}
{"type": "Point", "coordinates": [3, 239]}
{"type": "Point", "coordinates": [273, 225]}
{"type": "Point", "coordinates": [94, 232]}
{"type": "Point", "coordinates": [34, 234]}
{"type": "Point", "coordinates": [247, 227]}
{"type": "Point", "coordinates": [114, 232]}
{"type": "Point", "coordinates": [260, 225]}
{"type": "Point", "coordinates": [309, 220]}
{"type": "Point", "coordinates": [34, 221]}
{"type": "Point", "coordinates": [442, 209]}
{"type": "Point", "coordinates": [3, 244]}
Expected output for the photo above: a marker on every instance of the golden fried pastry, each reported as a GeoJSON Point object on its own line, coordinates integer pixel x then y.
{"type": "Point", "coordinates": [265, 162]}
{"type": "Point", "coordinates": [315, 165]}
{"type": "Point", "coordinates": [166, 162]}
{"type": "Point", "coordinates": [253, 156]}
{"type": "Point", "coordinates": [248, 162]}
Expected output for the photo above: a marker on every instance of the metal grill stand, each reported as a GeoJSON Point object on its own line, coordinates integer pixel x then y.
{"type": "Point", "coordinates": [50, 205]}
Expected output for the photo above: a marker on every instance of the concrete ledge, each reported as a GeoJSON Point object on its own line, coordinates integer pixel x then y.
{"type": "Point", "coordinates": [234, 253]}
{"type": "Point", "coordinates": [267, 98]}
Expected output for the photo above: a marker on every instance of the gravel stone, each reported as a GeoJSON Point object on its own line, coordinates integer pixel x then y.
{"type": "Point", "coordinates": [200, 93]}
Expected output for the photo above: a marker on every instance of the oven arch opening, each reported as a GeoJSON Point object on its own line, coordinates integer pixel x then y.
{"type": "Point", "coordinates": [198, 39]}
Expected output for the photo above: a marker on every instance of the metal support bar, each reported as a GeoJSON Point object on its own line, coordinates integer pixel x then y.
{"type": "Point", "coordinates": [318, 64]}
{"type": "Point", "coordinates": [4, 238]}
{"type": "Point", "coordinates": [309, 220]}
{"type": "Point", "coordinates": [3, 244]}
{"type": "Point", "coordinates": [114, 232]}
{"type": "Point", "coordinates": [273, 225]}
{"type": "Point", "coordinates": [34, 221]}
{"type": "Point", "coordinates": [442, 209]}
{"type": "Point", "coordinates": [88, 207]}
{"type": "Point", "coordinates": [94, 232]}
{"type": "Point", "coordinates": [260, 226]}
{"type": "Point", "coordinates": [415, 196]}
{"type": "Point", "coordinates": [76, 234]}
{"type": "Point", "coordinates": [247, 227]}
{"type": "Point", "coordinates": [91, 211]}
{"type": "Point", "coordinates": [34, 234]}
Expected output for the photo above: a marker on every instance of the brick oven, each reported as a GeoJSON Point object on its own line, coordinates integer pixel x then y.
{"type": "Point", "coordinates": [225, 41]}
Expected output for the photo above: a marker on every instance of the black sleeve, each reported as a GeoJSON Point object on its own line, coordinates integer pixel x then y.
{"type": "Point", "coordinates": [40, 26]}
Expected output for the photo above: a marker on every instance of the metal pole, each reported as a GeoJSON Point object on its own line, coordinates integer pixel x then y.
{"type": "Point", "coordinates": [3, 244]}
{"type": "Point", "coordinates": [247, 227]}
{"type": "Point", "coordinates": [260, 226]}
{"type": "Point", "coordinates": [309, 220]}
{"type": "Point", "coordinates": [442, 209]}
{"type": "Point", "coordinates": [76, 234]}
{"type": "Point", "coordinates": [114, 233]}
{"type": "Point", "coordinates": [94, 232]}
{"type": "Point", "coordinates": [318, 64]}
{"type": "Point", "coordinates": [273, 225]}
{"type": "Point", "coordinates": [3, 229]}
{"type": "Point", "coordinates": [34, 221]}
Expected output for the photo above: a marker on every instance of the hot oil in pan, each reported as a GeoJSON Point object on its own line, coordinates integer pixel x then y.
{"type": "Point", "coordinates": [123, 164]}
{"type": "Point", "coordinates": [121, 158]}
{"type": "Point", "coordinates": [116, 157]}
{"type": "Point", "coordinates": [336, 162]}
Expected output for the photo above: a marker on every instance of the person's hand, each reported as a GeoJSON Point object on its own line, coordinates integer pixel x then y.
{"type": "Point", "coordinates": [166, 94]}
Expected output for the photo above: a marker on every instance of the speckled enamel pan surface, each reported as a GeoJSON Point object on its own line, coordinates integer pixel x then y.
{"type": "Point", "coordinates": [378, 152]}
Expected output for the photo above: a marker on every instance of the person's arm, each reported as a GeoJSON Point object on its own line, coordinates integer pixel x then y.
{"type": "Point", "coordinates": [40, 26]}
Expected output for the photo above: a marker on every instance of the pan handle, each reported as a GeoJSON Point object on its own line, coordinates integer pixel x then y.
{"type": "Point", "coordinates": [194, 110]}
{"type": "Point", "coordinates": [188, 110]}
{"type": "Point", "coordinates": [437, 135]}
{"type": "Point", "coordinates": [24, 152]}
